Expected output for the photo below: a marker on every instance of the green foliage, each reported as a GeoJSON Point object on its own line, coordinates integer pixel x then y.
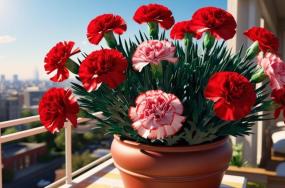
{"type": "Point", "coordinates": [78, 140]}
{"type": "Point", "coordinates": [237, 158]}
{"type": "Point", "coordinates": [186, 79]}
{"type": "Point", "coordinates": [255, 185]}
{"type": "Point", "coordinates": [43, 137]}
{"type": "Point", "coordinates": [60, 140]}
{"type": "Point", "coordinates": [10, 130]}
{"type": "Point", "coordinates": [80, 160]}
{"type": "Point", "coordinates": [89, 136]}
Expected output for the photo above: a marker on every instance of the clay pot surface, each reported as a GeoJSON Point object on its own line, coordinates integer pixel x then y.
{"type": "Point", "coordinates": [144, 166]}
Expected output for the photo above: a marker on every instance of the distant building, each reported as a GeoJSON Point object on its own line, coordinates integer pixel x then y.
{"type": "Point", "coordinates": [15, 78]}
{"type": "Point", "coordinates": [10, 106]}
{"type": "Point", "coordinates": [36, 76]}
{"type": "Point", "coordinates": [32, 97]}
{"type": "Point", "coordinates": [16, 83]}
{"type": "Point", "coordinates": [13, 106]}
{"type": "Point", "coordinates": [2, 83]}
{"type": "Point", "coordinates": [2, 78]}
{"type": "Point", "coordinates": [18, 156]}
{"type": "Point", "coordinates": [3, 108]}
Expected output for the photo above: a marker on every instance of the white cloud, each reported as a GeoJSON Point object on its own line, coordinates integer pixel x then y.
{"type": "Point", "coordinates": [4, 39]}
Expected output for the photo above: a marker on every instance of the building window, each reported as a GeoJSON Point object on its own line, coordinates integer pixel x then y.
{"type": "Point", "coordinates": [27, 161]}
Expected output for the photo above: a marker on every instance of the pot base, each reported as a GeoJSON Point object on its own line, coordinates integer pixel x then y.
{"type": "Point", "coordinates": [131, 181]}
{"type": "Point", "coordinates": [144, 166]}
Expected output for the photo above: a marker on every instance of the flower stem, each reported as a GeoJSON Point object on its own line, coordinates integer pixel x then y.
{"type": "Point", "coordinates": [110, 39]}
{"type": "Point", "coordinates": [72, 66]}
{"type": "Point", "coordinates": [187, 44]}
{"type": "Point", "coordinates": [153, 30]}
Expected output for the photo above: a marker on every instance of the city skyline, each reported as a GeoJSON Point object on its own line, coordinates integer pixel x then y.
{"type": "Point", "coordinates": [30, 28]}
{"type": "Point", "coordinates": [35, 76]}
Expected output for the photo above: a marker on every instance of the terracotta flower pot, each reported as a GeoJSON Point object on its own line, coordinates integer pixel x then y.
{"type": "Point", "coordinates": [144, 166]}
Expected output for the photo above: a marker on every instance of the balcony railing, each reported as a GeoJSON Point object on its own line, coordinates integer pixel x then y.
{"type": "Point", "coordinates": [38, 130]}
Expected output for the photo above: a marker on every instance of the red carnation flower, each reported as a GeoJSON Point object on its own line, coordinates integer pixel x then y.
{"type": "Point", "coordinates": [55, 107]}
{"type": "Point", "coordinates": [103, 66]}
{"type": "Point", "coordinates": [180, 29]}
{"type": "Point", "coordinates": [267, 41]}
{"type": "Point", "coordinates": [56, 59]}
{"type": "Point", "coordinates": [154, 13]}
{"type": "Point", "coordinates": [233, 94]}
{"type": "Point", "coordinates": [218, 22]}
{"type": "Point", "coordinates": [103, 24]}
{"type": "Point", "coordinates": [278, 96]}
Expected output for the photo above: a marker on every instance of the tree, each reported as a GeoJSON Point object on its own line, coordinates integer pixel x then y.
{"type": "Point", "coordinates": [43, 137]}
{"type": "Point", "coordinates": [80, 160]}
{"type": "Point", "coordinates": [89, 137]}
{"type": "Point", "coordinates": [60, 140]}
{"type": "Point", "coordinates": [10, 130]}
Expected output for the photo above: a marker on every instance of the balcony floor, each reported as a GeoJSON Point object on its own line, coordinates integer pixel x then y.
{"type": "Point", "coordinates": [107, 176]}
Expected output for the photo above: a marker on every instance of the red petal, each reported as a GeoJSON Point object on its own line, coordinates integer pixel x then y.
{"type": "Point", "coordinates": [95, 38]}
{"type": "Point", "coordinates": [266, 39]}
{"type": "Point", "coordinates": [214, 88]}
{"type": "Point", "coordinates": [220, 23]}
{"type": "Point", "coordinates": [167, 23]}
{"type": "Point", "coordinates": [61, 75]}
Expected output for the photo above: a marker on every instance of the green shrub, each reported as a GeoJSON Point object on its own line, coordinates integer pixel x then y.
{"type": "Point", "coordinates": [255, 185]}
{"type": "Point", "coordinates": [80, 160]}
{"type": "Point", "coordinates": [237, 158]}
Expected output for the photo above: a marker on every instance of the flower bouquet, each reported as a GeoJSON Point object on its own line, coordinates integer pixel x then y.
{"type": "Point", "coordinates": [170, 103]}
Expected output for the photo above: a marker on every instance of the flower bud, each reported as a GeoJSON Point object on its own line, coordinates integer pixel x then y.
{"type": "Point", "coordinates": [72, 66]}
{"type": "Point", "coordinates": [187, 39]}
{"type": "Point", "coordinates": [252, 51]}
{"type": "Point", "coordinates": [110, 39]}
{"type": "Point", "coordinates": [209, 40]}
{"type": "Point", "coordinates": [258, 76]}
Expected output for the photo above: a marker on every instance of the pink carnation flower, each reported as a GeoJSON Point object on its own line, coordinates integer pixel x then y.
{"type": "Point", "coordinates": [274, 68]}
{"type": "Point", "coordinates": [153, 52]}
{"type": "Point", "coordinates": [157, 114]}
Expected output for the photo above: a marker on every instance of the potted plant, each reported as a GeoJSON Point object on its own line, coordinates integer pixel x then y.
{"type": "Point", "coordinates": [171, 104]}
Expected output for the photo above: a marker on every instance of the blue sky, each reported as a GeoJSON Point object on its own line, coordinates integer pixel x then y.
{"type": "Point", "coordinates": [29, 28]}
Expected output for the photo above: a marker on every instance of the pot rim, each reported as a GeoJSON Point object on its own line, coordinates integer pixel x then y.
{"type": "Point", "coordinates": [172, 149]}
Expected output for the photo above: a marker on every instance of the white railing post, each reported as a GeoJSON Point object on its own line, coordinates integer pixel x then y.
{"type": "Point", "coordinates": [1, 165]}
{"type": "Point", "coordinates": [68, 153]}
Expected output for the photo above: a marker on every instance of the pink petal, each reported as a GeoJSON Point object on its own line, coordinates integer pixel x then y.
{"type": "Point", "coordinates": [133, 113]}
{"type": "Point", "coordinates": [140, 66]}
{"type": "Point", "coordinates": [177, 105]}
{"type": "Point", "coordinates": [177, 122]}
{"type": "Point", "coordinates": [169, 130]}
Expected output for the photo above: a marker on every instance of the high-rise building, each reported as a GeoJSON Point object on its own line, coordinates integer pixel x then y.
{"type": "Point", "coordinates": [14, 107]}
{"type": "Point", "coordinates": [15, 78]}
{"type": "Point", "coordinates": [36, 76]}
{"type": "Point", "coordinates": [2, 83]}
{"type": "Point", "coordinates": [3, 109]}
{"type": "Point", "coordinates": [16, 83]}
{"type": "Point", "coordinates": [32, 97]}
{"type": "Point", "coordinates": [2, 78]}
